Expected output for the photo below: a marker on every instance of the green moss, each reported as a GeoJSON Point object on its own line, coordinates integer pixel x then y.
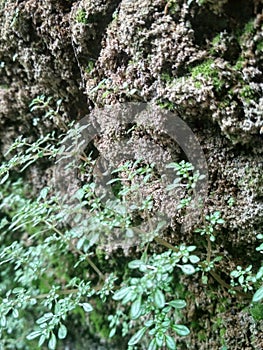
{"type": "Point", "coordinates": [245, 32]}
{"type": "Point", "coordinates": [207, 71]}
{"type": "Point", "coordinates": [173, 6]}
{"type": "Point", "coordinates": [166, 77]}
{"type": "Point", "coordinates": [201, 335]}
{"type": "Point", "coordinates": [215, 43]}
{"type": "Point", "coordinates": [247, 93]}
{"type": "Point", "coordinates": [249, 27]}
{"type": "Point", "coordinates": [81, 16]}
{"type": "Point", "coordinates": [166, 105]}
{"type": "Point", "coordinates": [259, 46]}
{"type": "Point", "coordinates": [197, 84]}
{"type": "Point", "coordinates": [4, 87]}
{"type": "Point", "coordinates": [239, 63]}
{"type": "Point", "coordinates": [90, 67]}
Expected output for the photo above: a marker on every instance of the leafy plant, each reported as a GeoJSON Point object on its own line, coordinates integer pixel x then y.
{"type": "Point", "coordinates": [210, 224]}
{"type": "Point", "coordinates": [147, 296]}
{"type": "Point", "coordinates": [50, 272]}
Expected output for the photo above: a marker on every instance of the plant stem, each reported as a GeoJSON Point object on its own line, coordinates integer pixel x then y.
{"type": "Point", "coordinates": [74, 249]}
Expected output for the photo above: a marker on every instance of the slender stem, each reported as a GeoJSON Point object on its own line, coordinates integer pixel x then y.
{"type": "Point", "coordinates": [62, 292]}
{"type": "Point", "coordinates": [165, 244]}
{"type": "Point", "coordinates": [228, 287]}
{"type": "Point", "coordinates": [74, 249]}
{"type": "Point", "coordinates": [209, 250]}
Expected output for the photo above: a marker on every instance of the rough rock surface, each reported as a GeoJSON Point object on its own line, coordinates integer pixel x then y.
{"type": "Point", "coordinates": [202, 61]}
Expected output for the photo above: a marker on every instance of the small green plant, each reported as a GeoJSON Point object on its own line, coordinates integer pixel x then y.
{"type": "Point", "coordinates": [34, 261]}
{"type": "Point", "coordinates": [187, 177]}
{"type": "Point", "coordinates": [148, 294]}
{"type": "Point", "coordinates": [51, 109]}
{"type": "Point", "coordinates": [248, 280]}
{"type": "Point", "coordinates": [209, 226]}
{"type": "Point", "coordinates": [81, 16]}
{"type": "Point", "coordinates": [50, 271]}
{"type": "Point", "coordinates": [244, 277]}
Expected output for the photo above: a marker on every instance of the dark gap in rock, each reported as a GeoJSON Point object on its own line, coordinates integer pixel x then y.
{"type": "Point", "coordinates": [206, 25]}
{"type": "Point", "coordinates": [102, 21]}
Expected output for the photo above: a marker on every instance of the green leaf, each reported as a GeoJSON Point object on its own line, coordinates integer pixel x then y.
{"type": "Point", "coordinates": [33, 335]}
{"type": "Point", "coordinates": [52, 342]}
{"type": "Point", "coordinates": [181, 329]}
{"type": "Point", "coordinates": [87, 307]}
{"type": "Point", "coordinates": [258, 295]}
{"type": "Point", "coordinates": [194, 259]}
{"type": "Point", "coordinates": [159, 338]}
{"type": "Point", "coordinates": [112, 181]}
{"type": "Point", "coordinates": [136, 308]}
{"type": "Point", "coordinates": [120, 294]}
{"type": "Point", "coordinates": [187, 269]}
{"type": "Point", "coordinates": [152, 345]}
{"type": "Point", "coordinates": [259, 274]}
{"type": "Point", "coordinates": [241, 279]}
{"type": "Point", "coordinates": [191, 248]}
{"type": "Point", "coordinates": [259, 248]}
{"type": "Point", "coordinates": [41, 340]}
{"type": "Point", "coordinates": [4, 178]}
{"type": "Point", "coordinates": [3, 321]}
{"type": "Point", "coordinates": [18, 290]}
{"type": "Point", "coordinates": [112, 332]}
{"type": "Point", "coordinates": [135, 264]}
{"type": "Point", "coordinates": [178, 304]}
{"type": "Point", "coordinates": [62, 332]}
{"type": "Point", "coordinates": [137, 336]}
{"type": "Point", "coordinates": [149, 323]}
{"type": "Point", "coordinates": [15, 313]}
{"type": "Point", "coordinates": [131, 296]}
{"type": "Point", "coordinates": [44, 192]}
{"type": "Point", "coordinates": [45, 318]}
{"type": "Point", "coordinates": [159, 299]}
{"type": "Point", "coordinates": [170, 342]}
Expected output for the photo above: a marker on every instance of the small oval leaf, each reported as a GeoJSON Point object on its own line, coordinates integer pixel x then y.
{"type": "Point", "coordinates": [33, 335]}
{"type": "Point", "coordinates": [170, 342]}
{"type": "Point", "coordinates": [136, 308]}
{"type": "Point", "coordinates": [258, 295]}
{"type": "Point", "coordinates": [62, 332]}
{"type": "Point", "coordinates": [152, 345]}
{"type": "Point", "coordinates": [3, 321]}
{"type": "Point", "coordinates": [121, 293]}
{"type": "Point", "coordinates": [187, 269]}
{"type": "Point", "coordinates": [159, 338]}
{"type": "Point", "coordinates": [137, 336]}
{"type": "Point", "coordinates": [181, 329]}
{"type": "Point", "coordinates": [87, 307]}
{"type": "Point", "coordinates": [135, 264]}
{"type": "Point", "coordinates": [194, 259]}
{"type": "Point", "coordinates": [42, 340]}
{"type": "Point", "coordinates": [178, 304]}
{"type": "Point", "coordinates": [159, 299]}
{"type": "Point", "coordinates": [52, 342]}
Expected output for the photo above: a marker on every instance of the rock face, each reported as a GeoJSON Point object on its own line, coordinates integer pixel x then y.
{"type": "Point", "coordinates": [202, 59]}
